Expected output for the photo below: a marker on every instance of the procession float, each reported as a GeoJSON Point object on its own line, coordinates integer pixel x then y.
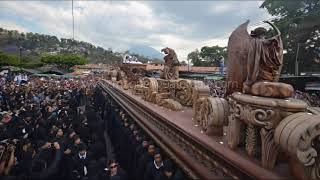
{"type": "Point", "coordinates": [256, 131]}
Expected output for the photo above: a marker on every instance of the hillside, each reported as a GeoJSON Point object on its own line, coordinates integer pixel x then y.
{"type": "Point", "coordinates": [33, 45]}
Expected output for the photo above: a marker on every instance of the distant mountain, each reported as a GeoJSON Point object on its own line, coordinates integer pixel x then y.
{"type": "Point", "coordinates": [146, 51]}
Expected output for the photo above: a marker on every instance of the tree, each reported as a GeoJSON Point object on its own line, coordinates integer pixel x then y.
{"type": "Point", "coordinates": [183, 63]}
{"type": "Point", "coordinates": [9, 60]}
{"type": "Point", "coordinates": [213, 55]}
{"type": "Point", "coordinates": [64, 60]}
{"type": "Point", "coordinates": [194, 56]}
{"type": "Point", "coordinates": [299, 24]}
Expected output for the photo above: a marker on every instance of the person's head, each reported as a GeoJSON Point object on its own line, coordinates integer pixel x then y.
{"type": "Point", "coordinates": [259, 32]}
{"type": "Point", "coordinates": [151, 148]}
{"type": "Point", "coordinates": [7, 117]}
{"type": "Point", "coordinates": [132, 126]}
{"type": "Point", "coordinates": [157, 156]}
{"type": "Point", "coordinates": [71, 133]}
{"type": "Point", "coordinates": [25, 144]}
{"type": "Point", "coordinates": [76, 140]}
{"type": "Point", "coordinates": [135, 132]}
{"type": "Point", "coordinates": [44, 145]}
{"type": "Point", "coordinates": [138, 137]}
{"type": "Point", "coordinates": [82, 149]}
{"type": "Point", "coordinates": [59, 133]}
{"type": "Point", "coordinates": [145, 143]}
{"type": "Point", "coordinates": [49, 109]}
{"type": "Point", "coordinates": [113, 166]}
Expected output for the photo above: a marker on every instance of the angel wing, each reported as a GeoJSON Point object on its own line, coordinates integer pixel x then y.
{"type": "Point", "coordinates": [238, 47]}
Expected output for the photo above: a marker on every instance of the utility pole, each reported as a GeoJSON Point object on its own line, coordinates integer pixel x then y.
{"type": "Point", "coordinates": [20, 52]}
{"type": "Point", "coordinates": [72, 22]}
{"type": "Point", "coordinates": [296, 73]}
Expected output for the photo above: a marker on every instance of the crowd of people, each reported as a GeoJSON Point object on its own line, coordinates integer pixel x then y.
{"type": "Point", "coordinates": [51, 128]}
{"type": "Point", "coordinates": [137, 154]}
{"type": "Point", "coordinates": [311, 98]}
{"type": "Point", "coordinates": [47, 130]}
{"type": "Point", "coordinates": [217, 88]}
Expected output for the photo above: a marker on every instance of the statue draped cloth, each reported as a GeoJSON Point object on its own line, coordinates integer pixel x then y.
{"type": "Point", "coordinates": [264, 60]}
{"type": "Point", "coordinates": [255, 62]}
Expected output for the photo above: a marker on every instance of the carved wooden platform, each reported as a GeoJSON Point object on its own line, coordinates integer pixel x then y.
{"type": "Point", "coordinates": [200, 156]}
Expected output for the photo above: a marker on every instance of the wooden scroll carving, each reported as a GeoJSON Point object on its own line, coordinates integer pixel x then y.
{"type": "Point", "coordinates": [171, 104]}
{"type": "Point", "coordinates": [184, 92]}
{"type": "Point", "coordinates": [199, 94]}
{"type": "Point", "coordinates": [213, 115]}
{"type": "Point", "coordinates": [113, 75]}
{"type": "Point", "coordinates": [150, 86]}
{"type": "Point", "coordinates": [298, 135]}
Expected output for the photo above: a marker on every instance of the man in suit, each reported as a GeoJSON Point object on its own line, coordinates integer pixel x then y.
{"type": "Point", "coordinates": [154, 168]}
{"type": "Point", "coordinates": [80, 162]}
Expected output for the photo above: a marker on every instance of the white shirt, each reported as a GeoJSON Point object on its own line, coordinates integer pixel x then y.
{"type": "Point", "coordinates": [85, 170]}
{"type": "Point", "coordinates": [83, 157]}
{"type": "Point", "coordinates": [157, 167]}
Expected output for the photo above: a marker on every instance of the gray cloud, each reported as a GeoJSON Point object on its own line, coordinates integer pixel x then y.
{"type": "Point", "coordinates": [182, 25]}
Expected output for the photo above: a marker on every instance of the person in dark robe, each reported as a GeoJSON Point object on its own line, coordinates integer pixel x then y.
{"type": "Point", "coordinates": [39, 169]}
{"type": "Point", "coordinates": [115, 172]}
{"type": "Point", "coordinates": [144, 160]}
{"type": "Point", "coordinates": [81, 161]}
{"type": "Point", "coordinates": [154, 168]}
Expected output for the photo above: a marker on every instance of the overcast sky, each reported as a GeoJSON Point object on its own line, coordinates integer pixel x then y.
{"type": "Point", "coordinates": [181, 25]}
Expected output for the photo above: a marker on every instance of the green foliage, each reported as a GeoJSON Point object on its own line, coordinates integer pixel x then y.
{"type": "Point", "coordinates": [183, 63]}
{"type": "Point", "coordinates": [9, 60]}
{"type": "Point", "coordinates": [194, 56]}
{"type": "Point", "coordinates": [208, 56]}
{"type": "Point", "coordinates": [34, 44]}
{"type": "Point", "coordinates": [64, 60]}
{"type": "Point", "coordinates": [13, 60]}
{"type": "Point", "coordinates": [298, 22]}
{"type": "Point", "coordinates": [213, 54]}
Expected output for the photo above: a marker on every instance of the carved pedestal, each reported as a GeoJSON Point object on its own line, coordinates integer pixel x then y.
{"type": "Point", "coordinates": [259, 116]}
